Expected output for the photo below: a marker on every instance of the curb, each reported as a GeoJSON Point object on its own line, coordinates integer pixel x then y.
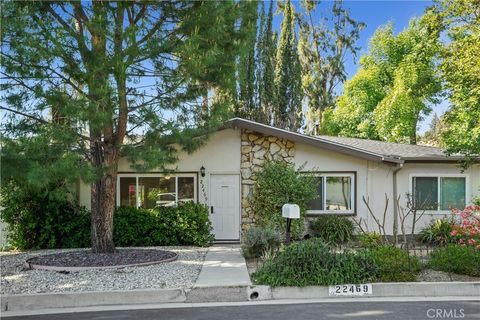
{"type": "Point", "coordinates": [379, 290]}
{"type": "Point", "coordinates": [23, 302]}
{"type": "Point", "coordinates": [29, 302]}
{"type": "Point", "coordinates": [217, 294]}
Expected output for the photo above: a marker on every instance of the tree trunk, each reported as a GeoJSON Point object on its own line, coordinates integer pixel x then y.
{"type": "Point", "coordinates": [413, 139]}
{"type": "Point", "coordinates": [413, 136]}
{"type": "Point", "coordinates": [103, 201]}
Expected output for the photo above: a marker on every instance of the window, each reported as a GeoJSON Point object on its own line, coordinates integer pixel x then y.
{"type": "Point", "coordinates": [150, 191]}
{"type": "Point", "coordinates": [439, 192]}
{"type": "Point", "coordinates": [335, 194]}
{"type": "Point", "coordinates": [128, 187]}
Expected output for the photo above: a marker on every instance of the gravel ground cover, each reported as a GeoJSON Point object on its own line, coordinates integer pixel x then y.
{"type": "Point", "coordinates": [182, 272]}
{"type": "Point", "coordinates": [430, 275]}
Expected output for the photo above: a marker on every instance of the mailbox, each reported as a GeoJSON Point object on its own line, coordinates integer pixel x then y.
{"type": "Point", "coordinates": [291, 211]}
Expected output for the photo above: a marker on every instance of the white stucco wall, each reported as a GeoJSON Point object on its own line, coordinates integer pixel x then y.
{"type": "Point", "coordinates": [373, 179]}
{"type": "Point", "coordinates": [404, 177]}
{"type": "Point", "coordinates": [220, 154]}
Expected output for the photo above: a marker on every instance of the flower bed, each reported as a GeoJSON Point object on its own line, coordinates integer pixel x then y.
{"type": "Point", "coordinates": [467, 233]}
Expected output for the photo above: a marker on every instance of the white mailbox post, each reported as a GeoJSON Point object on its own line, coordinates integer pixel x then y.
{"type": "Point", "coordinates": [290, 211]}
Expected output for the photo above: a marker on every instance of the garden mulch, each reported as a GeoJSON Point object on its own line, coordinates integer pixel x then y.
{"type": "Point", "coordinates": [86, 258]}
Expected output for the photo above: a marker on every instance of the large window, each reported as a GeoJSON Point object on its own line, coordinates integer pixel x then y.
{"type": "Point", "coordinates": [150, 191]}
{"type": "Point", "coordinates": [335, 194]}
{"type": "Point", "coordinates": [439, 192]}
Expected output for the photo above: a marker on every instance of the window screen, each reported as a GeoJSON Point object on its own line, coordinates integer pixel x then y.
{"type": "Point", "coordinates": [317, 203]}
{"type": "Point", "coordinates": [452, 193]}
{"type": "Point", "coordinates": [128, 192]}
{"type": "Point", "coordinates": [425, 193]}
{"type": "Point", "coordinates": [338, 193]}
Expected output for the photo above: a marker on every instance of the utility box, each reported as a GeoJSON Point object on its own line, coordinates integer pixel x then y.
{"type": "Point", "coordinates": [291, 211]}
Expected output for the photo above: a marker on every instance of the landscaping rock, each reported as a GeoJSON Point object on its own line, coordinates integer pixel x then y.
{"type": "Point", "coordinates": [180, 273]}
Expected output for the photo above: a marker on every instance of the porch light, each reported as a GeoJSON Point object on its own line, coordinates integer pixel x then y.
{"type": "Point", "coordinates": [202, 171]}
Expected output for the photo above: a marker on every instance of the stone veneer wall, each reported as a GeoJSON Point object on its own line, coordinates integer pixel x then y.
{"type": "Point", "coordinates": [256, 149]}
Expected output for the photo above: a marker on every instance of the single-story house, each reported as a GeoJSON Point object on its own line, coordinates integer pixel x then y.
{"type": "Point", "coordinates": [221, 174]}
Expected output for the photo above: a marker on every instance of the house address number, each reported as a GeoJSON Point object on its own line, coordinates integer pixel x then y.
{"type": "Point", "coordinates": [350, 290]}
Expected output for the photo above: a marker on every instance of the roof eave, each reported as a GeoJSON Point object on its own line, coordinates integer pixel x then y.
{"type": "Point", "coordinates": [439, 159]}
{"type": "Point", "coordinates": [297, 137]}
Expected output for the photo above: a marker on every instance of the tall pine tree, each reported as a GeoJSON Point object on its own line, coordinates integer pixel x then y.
{"type": "Point", "coordinates": [288, 93]}
{"type": "Point", "coordinates": [123, 79]}
{"type": "Point", "coordinates": [246, 105]}
{"type": "Point", "coordinates": [266, 47]}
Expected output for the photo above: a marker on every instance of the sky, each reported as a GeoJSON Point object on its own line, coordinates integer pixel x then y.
{"type": "Point", "coordinates": [375, 14]}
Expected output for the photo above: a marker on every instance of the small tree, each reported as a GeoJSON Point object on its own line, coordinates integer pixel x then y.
{"type": "Point", "coordinates": [279, 183]}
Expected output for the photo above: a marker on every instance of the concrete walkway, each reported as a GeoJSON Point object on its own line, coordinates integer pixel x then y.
{"type": "Point", "coordinates": [224, 266]}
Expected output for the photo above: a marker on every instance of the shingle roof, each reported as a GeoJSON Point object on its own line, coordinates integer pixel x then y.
{"type": "Point", "coordinates": [390, 149]}
{"type": "Point", "coordinates": [366, 149]}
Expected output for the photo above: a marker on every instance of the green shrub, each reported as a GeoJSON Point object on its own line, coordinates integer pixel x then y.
{"type": "Point", "coordinates": [187, 224]}
{"type": "Point", "coordinates": [456, 259]}
{"type": "Point", "coordinates": [258, 241]}
{"type": "Point", "coordinates": [370, 239]}
{"type": "Point", "coordinates": [48, 218]}
{"type": "Point", "coordinates": [394, 264]}
{"type": "Point", "coordinates": [476, 201]}
{"type": "Point", "coordinates": [43, 218]}
{"type": "Point", "coordinates": [137, 227]}
{"type": "Point", "coordinates": [314, 262]}
{"type": "Point", "coordinates": [438, 232]}
{"type": "Point", "coordinates": [333, 228]}
{"type": "Point", "coordinates": [192, 224]}
{"type": "Point", "coordinates": [278, 183]}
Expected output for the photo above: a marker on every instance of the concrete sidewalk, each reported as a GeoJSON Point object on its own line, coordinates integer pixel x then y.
{"type": "Point", "coordinates": [224, 266]}
{"type": "Point", "coordinates": [224, 276]}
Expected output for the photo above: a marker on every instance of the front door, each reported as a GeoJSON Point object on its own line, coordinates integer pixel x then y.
{"type": "Point", "coordinates": [225, 206]}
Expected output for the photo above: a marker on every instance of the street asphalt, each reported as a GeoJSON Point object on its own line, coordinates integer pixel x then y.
{"type": "Point", "coordinates": [349, 310]}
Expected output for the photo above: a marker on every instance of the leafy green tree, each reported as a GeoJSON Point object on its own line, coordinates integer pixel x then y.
{"type": "Point", "coordinates": [322, 51]}
{"type": "Point", "coordinates": [415, 82]}
{"type": "Point", "coordinates": [433, 136]}
{"type": "Point", "coordinates": [460, 69]}
{"type": "Point", "coordinates": [288, 94]}
{"type": "Point", "coordinates": [395, 86]}
{"type": "Point", "coordinates": [121, 79]}
{"type": "Point", "coordinates": [353, 115]}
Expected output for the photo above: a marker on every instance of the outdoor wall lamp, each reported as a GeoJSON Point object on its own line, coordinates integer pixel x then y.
{"type": "Point", "coordinates": [202, 171]}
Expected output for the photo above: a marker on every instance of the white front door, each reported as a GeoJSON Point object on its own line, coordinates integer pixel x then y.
{"type": "Point", "coordinates": [225, 206]}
